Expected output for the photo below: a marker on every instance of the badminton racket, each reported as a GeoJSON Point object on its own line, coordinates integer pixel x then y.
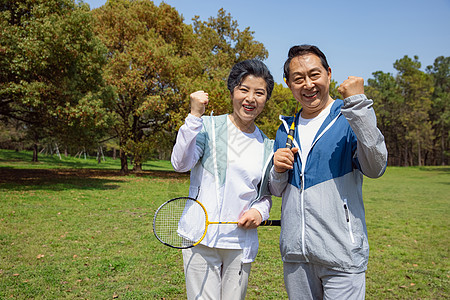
{"type": "Point", "coordinates": [183, 222]}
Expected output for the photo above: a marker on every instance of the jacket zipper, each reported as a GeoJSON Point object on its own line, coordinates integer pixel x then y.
{"type": "Point", "coordinates": [303, 212]}
{"type": "Point", "coordinates": [349, 224]}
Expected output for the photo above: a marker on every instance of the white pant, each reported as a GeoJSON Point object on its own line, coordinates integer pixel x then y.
{"type": "Point", "coordinates": [215, 274]}
{"type": "Point", "coordinates": [309, 281]}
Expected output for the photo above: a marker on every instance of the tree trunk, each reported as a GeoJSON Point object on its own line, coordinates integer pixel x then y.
{"type": "Point", "coordinates": [99, 160]}
{"type": "Point", "coordinates": [35, 152]}
{"type": "Point", "coordinates": [405, 163]}
{"type": "Point", "coordinates": [443, 150]}
{"type": "Point", "coordinates": [419, 156]}
{"type": "Point", "coordinates": [123, 163]}
{"type": "Point", "coordinates": [35, 148]}
{"type": "Point", "coordinates": [137, 167]}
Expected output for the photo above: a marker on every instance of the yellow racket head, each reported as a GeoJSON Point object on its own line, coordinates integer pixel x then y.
{"type": "Point", "coordinates": [180, 223]}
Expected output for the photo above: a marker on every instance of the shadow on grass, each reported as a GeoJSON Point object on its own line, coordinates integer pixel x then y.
{"type": "Point", "coordinates": [58, 179]}
{"type": "Point", "coordinates": [83, 179]}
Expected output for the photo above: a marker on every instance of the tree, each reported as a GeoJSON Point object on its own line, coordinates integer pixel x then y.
{"type": "Point", "coordinates": [416, 88]}
{"type": "Point", "coordinates": [150, 61]}
{"type": "Point", "coordinates": [155, 61]}
{"type": "Point", "coordinates": [440, 110]}
{"type": "Point", "coordinates": [50, 69]}
{"type": "Point", "coordinates": [220, 44]}
{"type": "Point", "coordinates": [388, 104]}
{"type": "Point", "coordinates": [334, 89]}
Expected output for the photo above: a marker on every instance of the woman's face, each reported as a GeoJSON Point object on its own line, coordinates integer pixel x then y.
{"type": "Point", "coordinates": [248, 99]}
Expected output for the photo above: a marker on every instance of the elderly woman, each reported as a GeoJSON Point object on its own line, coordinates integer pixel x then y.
{"type": "Point", "coordinates": [229, 158]}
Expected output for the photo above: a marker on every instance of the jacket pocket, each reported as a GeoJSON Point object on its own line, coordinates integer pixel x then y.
{"type": "Point", "coordinates": [348, 220]}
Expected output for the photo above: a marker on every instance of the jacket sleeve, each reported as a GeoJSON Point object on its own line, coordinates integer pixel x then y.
{"type": "Point", "coordinates": [277, 182]}
{"type": "Point", "coordinates": [263, 206]}
{"type": "Point", "coordinates": [371, 148]}
{"type": "Point", "coordinates": [186, 153]}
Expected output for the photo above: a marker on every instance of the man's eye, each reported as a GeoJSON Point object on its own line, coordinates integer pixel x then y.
{"type": "Point", "coordinates": [299, 79]}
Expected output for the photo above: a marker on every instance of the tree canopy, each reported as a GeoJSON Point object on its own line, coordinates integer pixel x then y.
{"type": "Point", "coordinates": [413, 111]}
{"type": "Point", "coordinates": [120, 75]}
{"type": "Point", "coordinates": [155, 61]}
{"type": "Point", "coordinates": [51, 69]}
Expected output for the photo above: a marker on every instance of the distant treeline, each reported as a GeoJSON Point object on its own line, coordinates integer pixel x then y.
{"type": "Point", "coordinates": [76, 81]}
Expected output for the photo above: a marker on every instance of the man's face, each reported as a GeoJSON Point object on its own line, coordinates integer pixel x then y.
{"type": "Point", "coordinates": [309, 82]}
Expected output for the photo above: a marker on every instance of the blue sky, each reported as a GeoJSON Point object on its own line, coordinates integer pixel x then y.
{"type": "Point", "coordinates": [358, 37]}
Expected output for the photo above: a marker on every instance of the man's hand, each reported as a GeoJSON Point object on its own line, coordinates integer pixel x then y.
{"type": "Point", "coordinates": [283, 159]}
{"type": "Point", "coordinates": [199, 100]}
{"type": "Point", "coordinates": [250, 219]}
{"type": "Point", "coordinates": [351, 86]}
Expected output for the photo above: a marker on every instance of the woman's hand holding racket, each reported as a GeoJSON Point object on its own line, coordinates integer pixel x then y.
{"type": "Point", "coordinates": [199, 101]}
{"type": "Point", "coordinates": [250, 219]}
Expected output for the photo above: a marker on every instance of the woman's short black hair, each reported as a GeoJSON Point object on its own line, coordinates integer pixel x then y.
{"type": "Point", "coordinates": [302, 50]}
{"type": "Point", "coordinates": [250, 67]}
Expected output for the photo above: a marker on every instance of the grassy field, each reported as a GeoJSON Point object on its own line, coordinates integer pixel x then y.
{"type": "Point", "coordinates": [76, 229]}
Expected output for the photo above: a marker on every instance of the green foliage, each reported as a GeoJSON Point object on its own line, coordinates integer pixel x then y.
{"type": "Point", "coordinates": [334, 90]}
{"type": "Point", "coordinates": [440, 111]}
{"type": "Point", "coordinates": [412, 111]}
{"type": "Point", "coordinates": [417, 88]}
{"type": "Point", "coordinates": [13, 135]}
{"type": "Point", "coordinates": [123, 73]}
{"type": "Point", "coordinates": [155, 61]}
{"type": "Point", "coordinates": [149, 62]}
{"type": "Point", "coordinates": [50, 75]}
{"type": "Point", "coordinates": [220, 44]}
{"type": "Point", "coordinates": [388, 105]}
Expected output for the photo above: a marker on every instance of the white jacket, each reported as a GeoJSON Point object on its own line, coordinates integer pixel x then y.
{"type": "Point", "coordinates": [201, 147]}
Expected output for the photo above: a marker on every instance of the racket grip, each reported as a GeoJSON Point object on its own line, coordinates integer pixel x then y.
{"type": "Point", "coordinates": [271, 223]}
{"type": "Point", "coordinates": [290, 138]}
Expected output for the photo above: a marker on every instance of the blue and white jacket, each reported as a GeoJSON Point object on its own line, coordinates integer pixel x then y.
{"type": "Point", "coordinates": [322, 215]}
{"type": "Point", "coordinates": [201, 147]}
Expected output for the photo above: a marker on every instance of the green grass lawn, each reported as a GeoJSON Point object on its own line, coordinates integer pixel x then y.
{"type": "Point", "coordinates": [76, 229]}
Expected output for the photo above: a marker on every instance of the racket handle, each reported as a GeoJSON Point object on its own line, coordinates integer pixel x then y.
{"type": "Point", "coordinates": [290, 138]}
{"type": "Point", "coordinates": [271, 223]}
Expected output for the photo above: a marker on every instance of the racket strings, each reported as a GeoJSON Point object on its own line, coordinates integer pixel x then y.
{"type": "Point", "coordinates": [180, 223]}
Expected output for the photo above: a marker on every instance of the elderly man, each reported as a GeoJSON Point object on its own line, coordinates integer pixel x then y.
{"type": "Point", "coordinates": [323, 241]}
